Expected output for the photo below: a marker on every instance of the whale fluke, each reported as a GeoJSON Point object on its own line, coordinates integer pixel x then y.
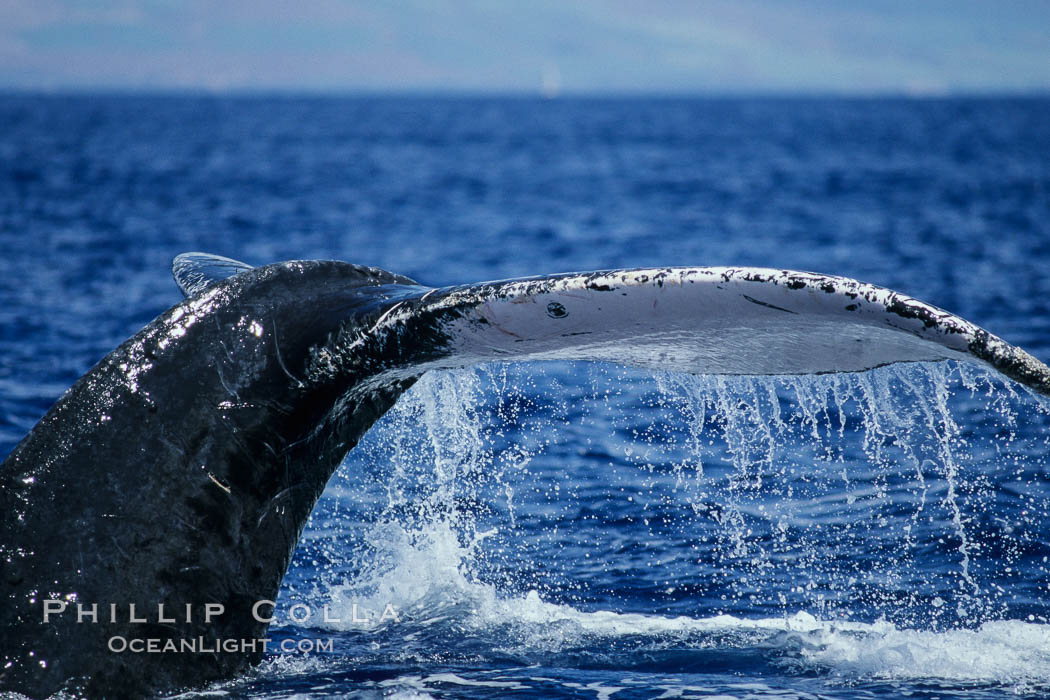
{"type": "Point", "coordinates": [713, 320]}
{"type": "Point", "coordinates": [195, 272]}
{"type": "Point", "coordinates": [181, 469]}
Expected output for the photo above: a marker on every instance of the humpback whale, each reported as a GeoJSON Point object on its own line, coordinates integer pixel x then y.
{"type": "Point", "coordinates": [163, 495]}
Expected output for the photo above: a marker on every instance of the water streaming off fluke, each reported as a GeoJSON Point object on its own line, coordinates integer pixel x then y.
{"type": "Point", "coordinates": [863, 526]}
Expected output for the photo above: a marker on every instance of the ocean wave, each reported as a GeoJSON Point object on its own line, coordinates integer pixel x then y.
{"type": "Point", "coordinates": [430, 589]}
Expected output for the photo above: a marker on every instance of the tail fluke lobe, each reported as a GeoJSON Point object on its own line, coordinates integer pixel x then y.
{"type": "Point", "coordinates": [733, 321]}
{"type": "Point", "coordinates": [195, 272]}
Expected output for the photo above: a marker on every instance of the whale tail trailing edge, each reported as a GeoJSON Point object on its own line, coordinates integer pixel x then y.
{"type": "Point", "coordinates": [730, 321]}
{"type": "Point", "coordinates": [714, 320]}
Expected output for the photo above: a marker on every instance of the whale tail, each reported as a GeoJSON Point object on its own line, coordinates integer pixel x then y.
{"type": "Point", "coordinates": [180, 471]}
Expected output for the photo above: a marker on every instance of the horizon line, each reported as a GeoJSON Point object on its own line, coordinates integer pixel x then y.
{"type": "Point", "coordinates": [459, 93]}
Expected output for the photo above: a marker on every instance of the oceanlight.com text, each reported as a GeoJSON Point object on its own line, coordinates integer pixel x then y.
{"type": "Point", "coordinates": [202, 645]}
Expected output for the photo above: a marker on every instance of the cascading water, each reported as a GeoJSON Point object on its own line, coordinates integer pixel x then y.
{"type": "Point", "coordinates": [853, 528]}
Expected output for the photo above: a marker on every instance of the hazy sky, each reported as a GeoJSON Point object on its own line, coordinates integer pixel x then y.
{"type": "Point", "coordinates": [664, 46]}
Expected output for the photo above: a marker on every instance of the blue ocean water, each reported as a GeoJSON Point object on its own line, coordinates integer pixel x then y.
{"type": "Point", "coordinates": [581, 530]}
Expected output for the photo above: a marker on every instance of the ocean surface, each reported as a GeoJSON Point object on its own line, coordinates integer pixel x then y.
{"type": "Point", "coordinates": [589, 530]}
